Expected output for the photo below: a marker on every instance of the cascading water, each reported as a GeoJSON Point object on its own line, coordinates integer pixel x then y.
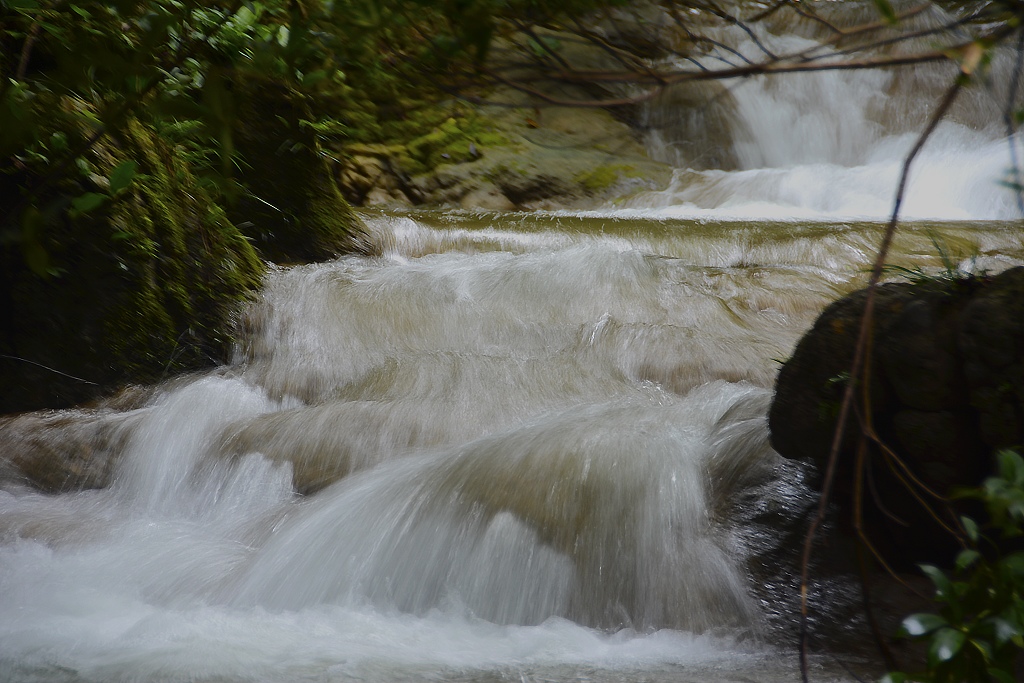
{"type": "Point", "coordinates": [511, 448]}
{"type": "Point", "coordinates": [831, 144]}
{"type": "Point", "coordinates": [499, 451]}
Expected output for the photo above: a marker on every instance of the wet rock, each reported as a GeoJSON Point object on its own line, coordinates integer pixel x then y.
{"type": "Point", "coordinates": [695, 124]}
{"type": "Point", "coordinates": [56, 452]}
{"type": "Point", "coordinates": [487, 198]}
{"type": "Point", "coordinates": [945, 389]}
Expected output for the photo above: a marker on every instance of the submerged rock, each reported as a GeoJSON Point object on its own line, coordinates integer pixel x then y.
{"type": "Point", "coordinates": [945, 389]}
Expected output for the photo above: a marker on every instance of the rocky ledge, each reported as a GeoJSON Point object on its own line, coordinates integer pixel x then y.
{"type": "Point", "coordinates": [506, 159]}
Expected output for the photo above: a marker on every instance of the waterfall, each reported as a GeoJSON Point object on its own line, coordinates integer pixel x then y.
{"type": "Point", "coordinates": [831, 144]}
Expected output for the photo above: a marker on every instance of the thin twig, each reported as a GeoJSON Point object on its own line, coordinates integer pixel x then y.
{"type": "Point", "coordinates": [47, 367]}
{"type": "Point", "coordinates": [865, 584]}
{"type": "Point", "coordinates": [700, 39]}
{"type": "Point", "coordinates": [768, 12]}
{"type": "Point", "coordinates": [725, 16]}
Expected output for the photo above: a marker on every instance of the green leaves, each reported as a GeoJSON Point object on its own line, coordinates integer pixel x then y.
{"type": "Point", "coordinates": [1004, 494]}
{"type": "Point", "coordinates": [978, 632]}
{"type": "Point", "coordinates": [88, 201]}
{"type": "Point", "coordinates": [921, 624]}
{"type": "Point", "coordinates": [1011, 468]}
{"type": "Point", "coordinates": [970, 528]}
{"type": "Point", "coordinates": [1006, 631]}
{"type": "Point", "coordinates": [966, 558]}
{"type": "Point", "coordinates": [943, 586]}
{"type": "Point", "coordinates": [120, 178]}
{"type": "Point", "coordinates": [945, 643]}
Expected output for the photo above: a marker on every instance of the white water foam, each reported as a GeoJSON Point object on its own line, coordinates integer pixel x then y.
{"type": "Point", "coordinates": [179, 591]}
{"type": "Point", "coordinates": [534, 503]}
{"type": "Point", "coordinates": [531, 432]}
{"type": "Point", "coordinates": [830, 146]}
{"type": "Point", "coordinates": [533, 457]}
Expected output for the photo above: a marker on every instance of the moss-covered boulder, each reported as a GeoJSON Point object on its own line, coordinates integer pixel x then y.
{"type": "Point", "coordinates": [136, 282]}
{"type": "Point", "coordinates": [291, 206]}
{"type": "Point", "coordinates": [504, 159]}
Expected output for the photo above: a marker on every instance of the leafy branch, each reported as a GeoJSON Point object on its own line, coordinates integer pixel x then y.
{"type": "Point", "coordinates": [978, 632]}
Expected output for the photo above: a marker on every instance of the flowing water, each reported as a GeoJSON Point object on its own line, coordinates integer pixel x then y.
{"type": "Point", "coordinates": [514, 447]}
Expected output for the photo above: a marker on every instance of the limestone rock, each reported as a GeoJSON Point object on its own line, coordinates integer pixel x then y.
{"type": "Point", "coordinates": [558, 157]}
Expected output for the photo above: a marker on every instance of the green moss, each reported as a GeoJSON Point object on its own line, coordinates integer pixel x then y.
{"type": "Point", "coordinates": [603, 177]}
{"type": "Point", "coordinates": [492, 139]}
{"type": "Point", "coordinates": [422, 147]}
{"type": "Point", "coordinates": [451, 128]}
{"type": "Point", "coordinates": [432, 136]}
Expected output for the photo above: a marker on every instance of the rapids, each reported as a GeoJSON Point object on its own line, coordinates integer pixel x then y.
{"type": "Point", "coordinates": [513, 447]}
{"type": "Point", "coordinates": [830, 145]}
{"type": "Point", "coordinates": [521, 447]}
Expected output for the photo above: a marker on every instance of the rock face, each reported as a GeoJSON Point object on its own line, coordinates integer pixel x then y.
{"type": "Point", "coordinates": [946, 388]}
{"type": "Point", "coordinates": [506, 159]}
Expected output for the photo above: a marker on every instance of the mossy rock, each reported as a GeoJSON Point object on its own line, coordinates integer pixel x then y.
{"type": "Point", "coordinates": [606, 176]}
{"type": "Point", "coordinates": [454, 141]}
{"type": "Point", "coordinates": [139, 287]}
{"type": "Point", "coordinates": [500, 159]}
{"type": "Point", "coordinates": [292, 207]}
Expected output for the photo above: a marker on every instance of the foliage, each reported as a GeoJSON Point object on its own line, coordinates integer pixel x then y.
{"type": "Point", "coordinates": [73, 72]}
{"type": "Point", "coordinates": [134, 133]}
{"type": "Point", "coordinates": [109, 244]}
{"type": "Point", "coordinates": [83, 71]}
{"type": "Point", "coordinates": [978, 632]}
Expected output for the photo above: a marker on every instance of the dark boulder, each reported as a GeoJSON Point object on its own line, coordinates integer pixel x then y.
{"type": "Point", "coordinates": [945, 388]}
